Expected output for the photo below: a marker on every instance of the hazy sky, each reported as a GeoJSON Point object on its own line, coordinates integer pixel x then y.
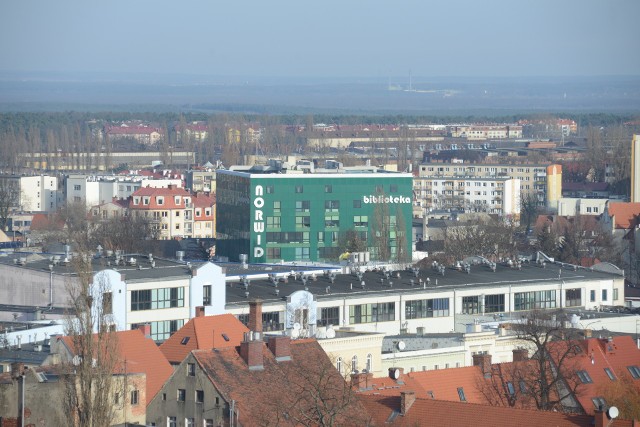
{"type": "Point", "coordinates": [334, 38]}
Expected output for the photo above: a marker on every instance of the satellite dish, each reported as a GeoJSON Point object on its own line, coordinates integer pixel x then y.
{"type": "Point", "coordinates": [396, 374]}
{"type": "Point", "coordinates": [330, 333]}
{"type": "Point", "coordinates": [76, 360]}
{"type": "Point", "coordinates": [296, 326]}
{"type": "Point", "coordinates": [613, 412]}
{"type": "Point", "coordinates": [401, 345]}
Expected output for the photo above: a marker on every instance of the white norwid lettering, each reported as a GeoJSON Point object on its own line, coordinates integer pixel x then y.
{"type": "Point", "coordinates": [258, 221]}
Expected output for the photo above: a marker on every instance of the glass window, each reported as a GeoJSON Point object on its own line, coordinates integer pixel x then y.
{"type": "Point", "coordinates": [172, 422]}
{"type": "Point", "coordinates": [269, 189]}
{"type": "Point", "coordinates": [604, 295]}
{"type": "Point", "coordinates": [303, 221]}
{"type": "Point", "coordinates": [199, 396]}
{"type": "Point", "coordinates": [610, 374]}
{"type": "Point", "coordinates": [182, 394]}
{"type": "Point", "coordinates": [339, 364]}
{"type": "Point", "coordinates": [635, 371]}
{"type": "Point", "coordinates": [534, 300]}
{"type": "Point", "coordinates": [303, 205]}
{"type": "Point", "coordinates": [331, 205]}
{"type": "Point", "coordinates": [276, 206]}
{"type": "Point", "coordinates": [370, 313]}
{"type": "Point", "coordinates": [573, 297]}
{"type": "Point", "coordinates": [135, 397]}
{"type": "Point", "coordinates": [418, 309]}
{"type": "Point", "coordinates": [191, 369]}
{"type": "Point", "coordinates": [332, 221]}
{"type": "Point", "coordinates": [354, 364]}
{"type": "Point", "coordinates": [393, 188]}
{"type": "Point", "coordinates": [328, 189]}
{"type": "Point", "coordinates": [584, 377]}
{"type": "Point", "coordinates": [329, 316]}
{"type": "Point", "coordinates": [461, 394]}
{"type": "Point", "coordinates": [273, 222]}
{"type": "Point", "coordinates": [299, 189]}
{"type": "Point", "coordinates": [274, 253]}
{"type": "Point", "coordinates": [369, 366]}
{"type": "Point", "coordinates": [357, 203]}
{"type": "Point", "coordinates": [206, 295]}
{"type": "Point", "coordinates": [592, 296]}
{"type": "Point", "coordinates": [360, 221]}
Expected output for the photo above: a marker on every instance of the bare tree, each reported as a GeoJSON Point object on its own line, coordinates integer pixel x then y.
{"type": "Point", "coordinates": [381, 229]}
{"type": "Point", "coordinates": [88, 379]}
{"type": "Point", "coordinates": [550, 379]}
{"type": "Point", "coordinates": [623, 394]}
{"type": "Point", "coordinates": [9, 198]}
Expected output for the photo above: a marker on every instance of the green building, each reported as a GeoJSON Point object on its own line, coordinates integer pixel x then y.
{"type": "Point", "coordinates": [313, 217]}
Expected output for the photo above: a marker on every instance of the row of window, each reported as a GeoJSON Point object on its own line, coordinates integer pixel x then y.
{"type": "Point", "coordinates": [354, 364]}
{"type": "Point", "coordinates": [151, 299]}
{"type": "Point", "coordinates": [329, 221]}
{"type": "Point", "coordinates": [163, 329]}
{"type": "Point", "coordinates": [328, 188]}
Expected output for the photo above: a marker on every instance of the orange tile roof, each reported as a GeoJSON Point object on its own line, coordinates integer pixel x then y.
{"type": "Point", "coordinates": [138, 354]}
{"type": "Point", "coordinates": [203, 333]}
{"type": "Point", "coordinates": [624, 214]}
{"type": "Point", "coordinates": [428, 412]}
{"type": "Point", "coordinates": [277, 393]}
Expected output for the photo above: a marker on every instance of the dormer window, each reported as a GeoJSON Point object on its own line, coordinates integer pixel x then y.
{"type": "Point", "coordinates": [136, 200]}
{"type": "Point", "coordinates": [145, 201]}
{"type": "Point", "coordinates": [177, 200]}
{"type": "Point", "coordinates": [198, 212]}
{"type": "Point", "coordinates": [160, 200]}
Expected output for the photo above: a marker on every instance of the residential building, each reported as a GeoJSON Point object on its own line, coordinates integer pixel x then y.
{"type": "Point", "coordinates": [267, 380]}
{"type": "Point", "coordinates": [622, 221]}
{"type": "Point", "coordinates": [635, 169]}
{"type": "Point", "coordinates": [535, 179]}
{"type": "Point", "coordinates": [196, 131]}
{"type": "Point", "coordinates": [37, 193]}
{"type": "Point", "coordinates": [498, 195]}
{"type": "Point", "coordinates": [271, 217]}
{"type": "Point", "coordinates": [170, 209]}
{"type": "Point", "coordinates": [201, 181]}
{"type": "Point", "coordinates": [139, 132]}
{"type": "Point", "coordinates": [568, 206]}
{"type": "Point", "coordinates": [478, 132]}
{"type": "Point", "coordinates": [204, 215]}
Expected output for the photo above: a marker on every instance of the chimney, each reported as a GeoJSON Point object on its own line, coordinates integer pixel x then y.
{"type": "Point", "coordinates": [251, 351]}
{"type": "Point", "coordinates": [17, 370]}
{"type": "Point", "coordinates": [255, 315]}
{"type": "Point", "coordinates": [601, 419]}
{"type": "Point", "coordinates": [520, 354]}
{"type": "Point", "coordinates": [484, 361]}
{"type": "Point", "coordinates": [280, 346]}
{"type": "Point", "coordinates": [145, 328]}
{"type": "Point", "coordinates": [200, 311]}
{"type": "Point", "coordinates": [359, 381]}
{"type": "Point", "coordinates": [406, 400]}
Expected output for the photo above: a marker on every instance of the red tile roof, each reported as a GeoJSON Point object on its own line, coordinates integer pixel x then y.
{"type": "Point", "coordinates": [204, 333]}
{"type": "Point", "coordinates": [427, 412]}
{"type": "Point", "coordinates": [138, 354]}
{"type": "Point", "coordinates": [282, 391]}
{"type": "Point", "coordinates": [625, 214]}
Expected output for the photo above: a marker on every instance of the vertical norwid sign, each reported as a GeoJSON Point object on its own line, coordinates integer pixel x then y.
{"type": "Point", "coordinates": [258, 224]}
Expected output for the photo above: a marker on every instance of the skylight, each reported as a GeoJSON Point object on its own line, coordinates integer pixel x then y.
{"type": "Point", "coordinates": [185, 340]}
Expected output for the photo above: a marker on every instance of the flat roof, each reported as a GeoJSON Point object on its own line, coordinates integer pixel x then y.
{"type": "Point", "coordinates": [338, 286]}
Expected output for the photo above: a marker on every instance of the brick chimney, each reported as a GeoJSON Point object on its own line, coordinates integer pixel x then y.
{"type": "Point", "coordinates": [200, 311]}
{"type": "Point", "coordinates": [255, 316]}
{"type": "Point", "coordinates": [280, 346]}
{"type": "Point", "coordinates": [145, 328]}
{"type": "Point", "coordinates": [406, 400]}
{"type": "Point", "coordinates": [361, 380]}
{"type": "Point", "coordinates": [251, 351]}
{"type": "Point", "coordinates": [484, 361]}
{"type": "Point", "coordinates": [520, 354]}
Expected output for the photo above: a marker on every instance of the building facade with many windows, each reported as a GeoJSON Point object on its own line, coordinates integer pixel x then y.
{"type": "Point", "coordinates": [312, 217]}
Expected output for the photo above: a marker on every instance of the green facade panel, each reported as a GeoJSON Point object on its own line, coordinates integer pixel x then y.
{"type": "Point", "coordinates": [315, 217]}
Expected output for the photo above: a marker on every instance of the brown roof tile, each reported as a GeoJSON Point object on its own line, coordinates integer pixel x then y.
{"type": "Point", "coordinates": [203, 333]}
{"type": "Point", "coordinates": [625, 214]}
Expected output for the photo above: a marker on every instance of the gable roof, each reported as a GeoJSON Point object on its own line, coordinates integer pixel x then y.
{"type": "Point", "coordinates": [624, 214]}
{"type": "Point", "coordinates": [204, 333]}
{"type": "Point", "coordinates": [280, 391]}
{"type": "Point", "coordinates": [138, 354]}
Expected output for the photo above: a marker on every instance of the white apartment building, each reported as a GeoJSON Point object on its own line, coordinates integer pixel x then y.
{"type": "Point", "coordinates": [498, 195]}
{"type": "Point", "coordinates": [569, 206]}
{"type": "Point", "coordinates": [36, 193]}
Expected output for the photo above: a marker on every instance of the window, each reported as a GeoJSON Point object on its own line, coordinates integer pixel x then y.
{"type": "Point", "coordinates": [134, 397]}
{"type": "Point", "coordinates": [573, 297]}
{"type": "Point", "coordinates": [164, 396]}
{"type": "Point", "coordinates": [511, 389]}
{"type": "Point", "coordinates": [535, 300]}
{"type": "Point", "coordinates": [332, 221]}
{"type": "Point", "coordinates": [320, 236]}
{"type": "Point", "coordinates": [302, 253]}
{"type": "Point", "coordinates": [160, 200]}
{"type": "Point", "coordinates": [303, 221]}
{"type": "Point", "coordinates": [276, 206]}
{"type": "Point", "coordinates": [635, 371]}
{"type": "Point", "coordinates": [199, 396]}
{"type": "Point", "coordinates": [339, 364]}
{"type": "Point", "coordinates": [379, 189]}
{"type": "Point", "coordinates": [329, 316]}
{"type": "Point", "coordinates": [299, 189]}
{"type": "Point", "coordinates": [77, 187]}
{"type": "Point", "coordinates": [303, 205]}
{"type": "Point", "coordinates": [182, 394]}
{"type": "Point", "coordinates": [370, 313]}
{"type": "Point", "coordinates": [523, 386]}
{"type": "Point", "coordinates": [116, 398]}
{"type": "Point", "coordinates": [354, 364]}
{"type": "Point", "coordinates": [615, 294]}
{"type": "Point", "coordinates": [172, 422]}
{"type": "Point", "coordinates": [328, 189]}
{"type": "Point", "coordinates": [191, 369]}
{"type": "Point", "coordinates": [584, 377]}
{"type": "Point", "coordinates": [273, 222]}
{"type": "Point", "coordinates": [494, 303]}
{"type": "Point", "coordinates": [189, 422]}
{"type": "Point", "coordinates": [419, 309]}
{"type": "Point", "coordinates": [461, 394]}
{"type": "Point", "coordinates": [151, 299]}
{"type": "Point", "coordinates": [361, 221]}
{"type": "Point", "coordinates": [599, 403]}
{"type": "Point", "coordinates": [592, 296]}
{"type": "Point", "coordinates": [273, 253]}
{"type": "Point", "coordinates": [604, 295]}
{"type": "Point", "coordinates": [357, 204]}
{"type": "Point", "coordinates": [269, 189]}
{"type": "Point", "coordinates": [369, 366]}
{"type": "Point", "coordinates": [610, 374]}
{"type": "Point", "coordinates": [331, 205]}
{"type": "Point", "coordinates": [206, 295]}
{"type": "Point", "coordinates": [393, 188]}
